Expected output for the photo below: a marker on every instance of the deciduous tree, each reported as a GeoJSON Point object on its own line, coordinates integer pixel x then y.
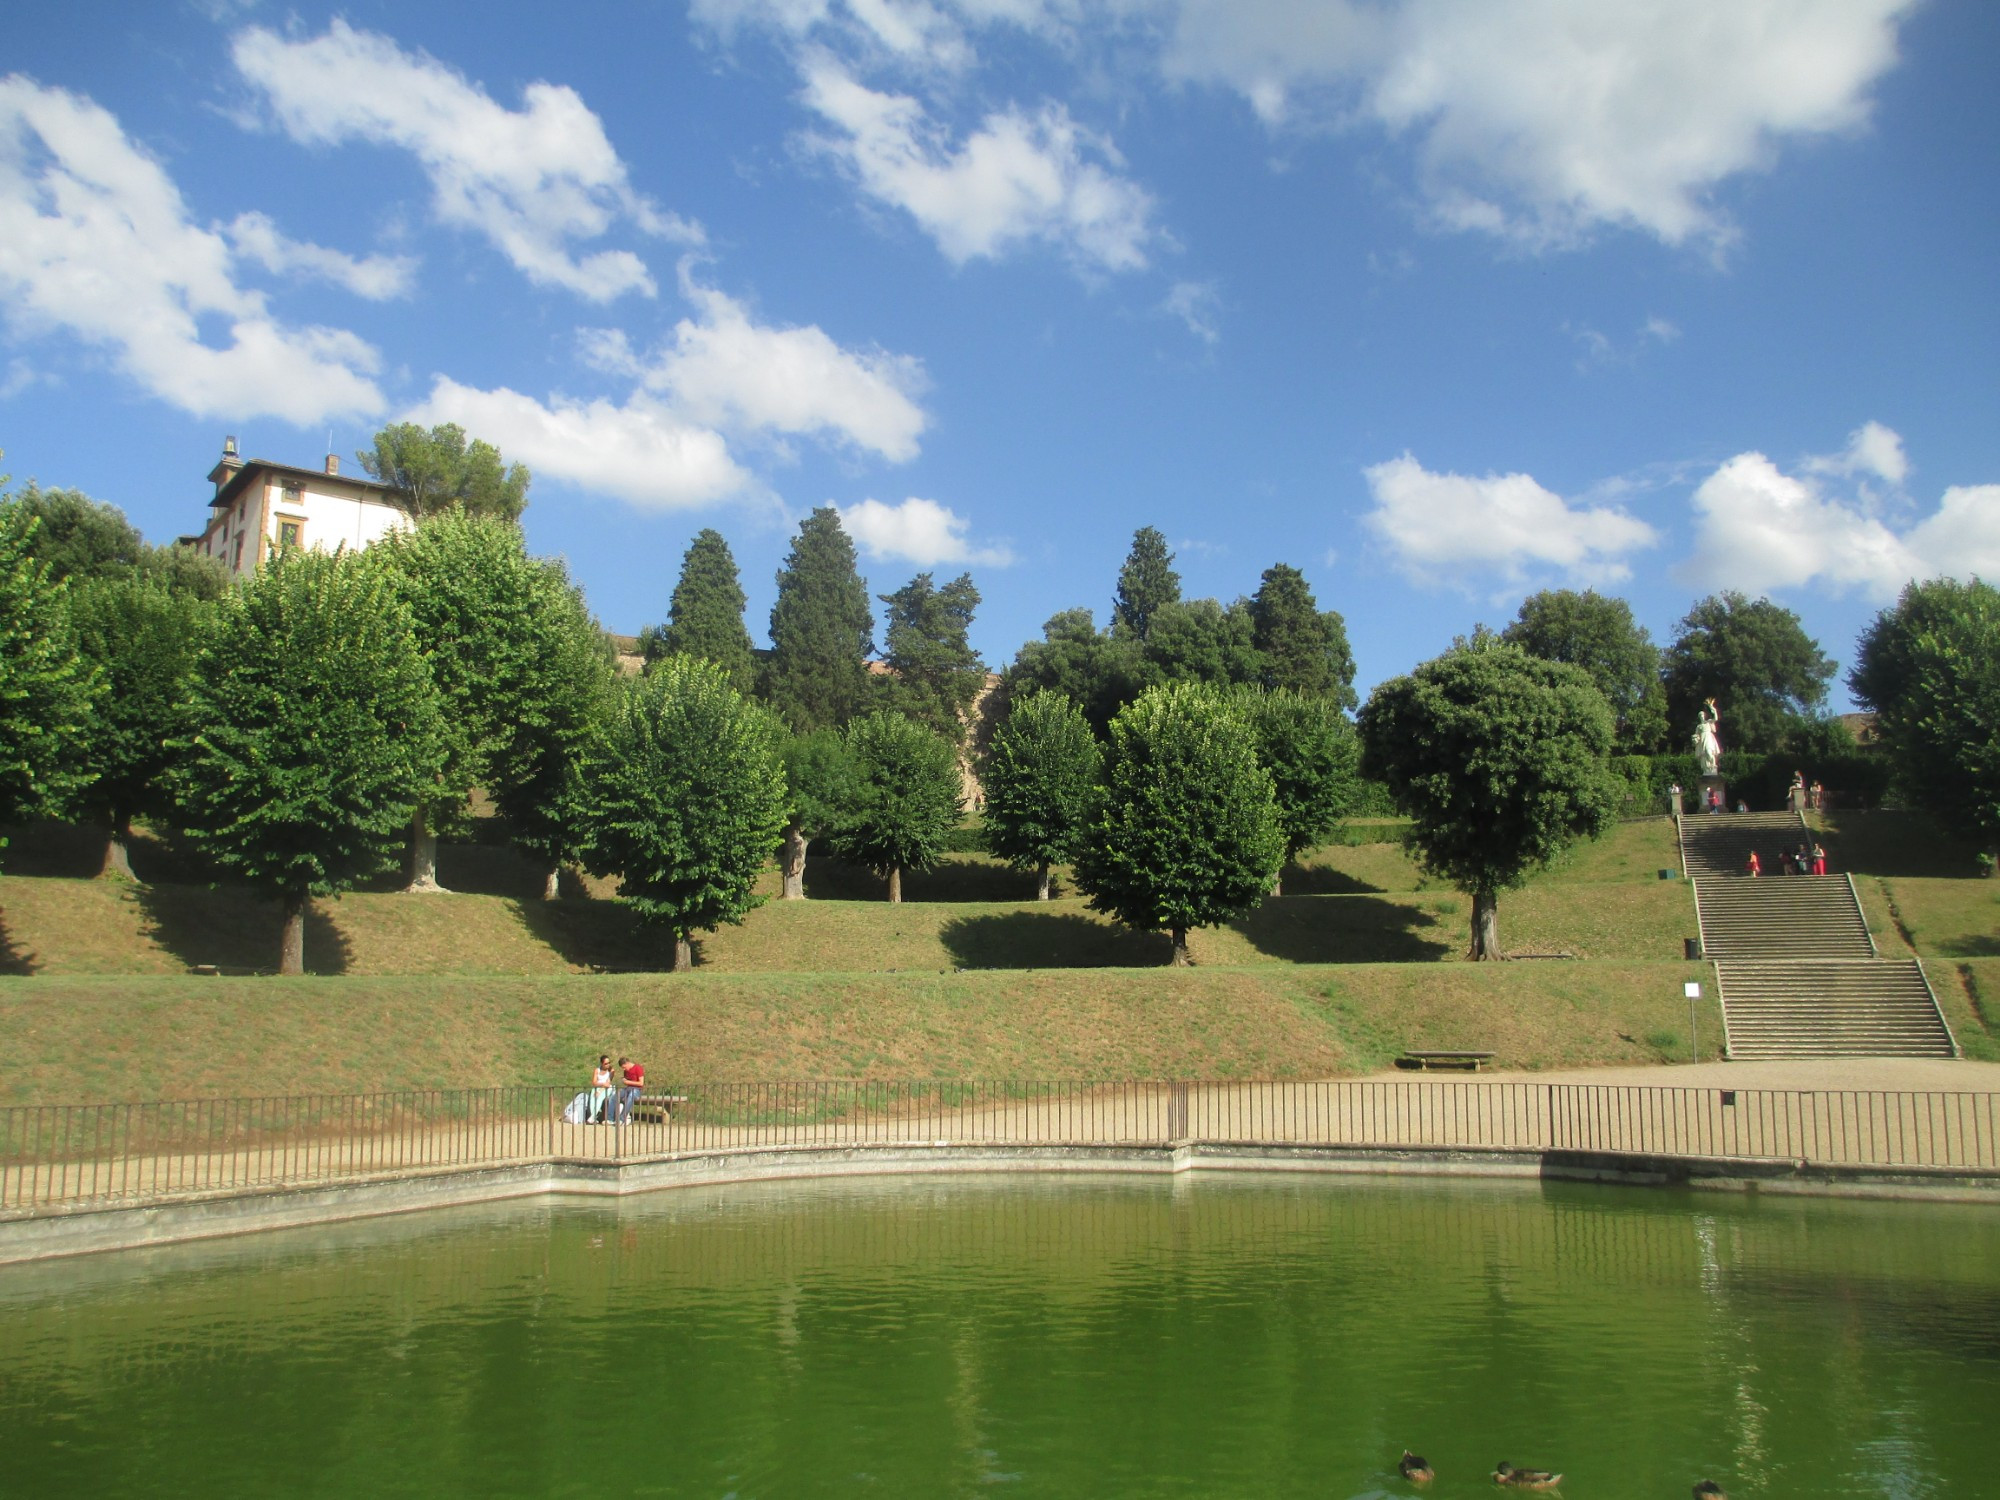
{"type": "Point", "coordinates": [1756, 660]}
{"type": "Point", "coordinates": [822, 633]}
{"type": "Point", "coordinates": [820, 789]}
{"type": "Point", "coordinates": [433, 472]}
{"type": "Point", "coordinates": [1038, 775]}
{"type": "Point", "coordinates": [1098, 671]}
{"type": "Point", "coordinates": [313, 732]}
{"type": "Point", "coordinates": [1183, 832]}
{"type": "Point", "coordinates": [1929, 668]}
{"type": "Point", "coordinates": [1597, 633]}
{"type": "Point", "coordinates": [1314, 758]}
{"type": "Point", "coordinates": [48, 689]}
{"type": "Point", "coordinates": [684, 800]}
{"type": "Point", "coordinates": [906, 800]}
{"type": "Point", "coordinates": [1499, 759]}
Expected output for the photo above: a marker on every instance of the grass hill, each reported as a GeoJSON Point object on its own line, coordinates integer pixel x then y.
{"type": "Point", "coordinates": [1359, 960]}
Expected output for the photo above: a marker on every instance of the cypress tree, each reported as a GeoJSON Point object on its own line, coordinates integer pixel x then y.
{"type": "Point", "coordinates": [822, 632]}
{"type": "Point", "coordinates": [1302, 648]}
{"type": "Point", "coordinates": [706, 616]}
{"type": "Point", "coordinates": [1146, 584]}
{"type": "Point", "coordinates": [937, 673]}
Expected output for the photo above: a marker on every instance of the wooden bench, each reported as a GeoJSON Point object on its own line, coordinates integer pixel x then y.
{"type": "Point", "coordinates": [656, 1109]}
{"type": "Point", "coordinates": [1445, 1062]}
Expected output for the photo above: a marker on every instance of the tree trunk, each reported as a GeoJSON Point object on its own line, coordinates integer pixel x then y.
{"type": "Point", "coordinates": [792, 872]}
{"type": "Point", "coordinates": [292, 945]}
{"type": "Point", "coordinates": [552, 886]}
{"type": "Point", "coordinates": [1042, 882]}
{"type": "Point", "coordinates": [423, 855]}
{"type": "Point", "coordinates": [895, 882]}
{"type": "Point", "coordinates": [683, 961]}
{"type": "Point", "coordinates": [1179, 958]}
{"type": "Point", "coordinates": [117, 848]}
{"type": "Point", "coordinates": [1486, 925]}
{"type": "Point", "coordinates": [1278, 882]}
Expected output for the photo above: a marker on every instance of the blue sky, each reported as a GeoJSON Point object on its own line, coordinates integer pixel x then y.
{"type": "Point", "coordinates": [1442, 302]}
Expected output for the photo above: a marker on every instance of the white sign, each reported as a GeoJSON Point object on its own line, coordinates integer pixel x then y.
{"type": "Point", "coordinates": [1692, 991]}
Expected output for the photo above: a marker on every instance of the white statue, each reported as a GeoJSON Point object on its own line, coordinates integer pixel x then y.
{"type": "Point", "coordinates": [1708, 740]}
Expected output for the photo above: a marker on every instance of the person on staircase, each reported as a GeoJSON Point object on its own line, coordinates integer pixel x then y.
{"type": "Point", "coordinates": [1818, 859]}
{"type": "Point", "coordinates": [1752, 867]}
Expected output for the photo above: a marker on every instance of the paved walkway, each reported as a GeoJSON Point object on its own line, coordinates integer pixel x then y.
{"type": "Point", "coordinates": [1927, 1074]}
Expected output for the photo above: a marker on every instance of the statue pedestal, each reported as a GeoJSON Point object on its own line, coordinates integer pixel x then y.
{"type": "Point", "coordinates": [1721, 793]}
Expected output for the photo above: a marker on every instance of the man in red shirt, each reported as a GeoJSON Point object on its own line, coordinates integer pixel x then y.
{"type": "Point", "coordinates": [631, 1083]}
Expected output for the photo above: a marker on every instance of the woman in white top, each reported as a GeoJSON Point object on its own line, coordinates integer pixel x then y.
{"type": "Point", "coordinates": [600, 1089]}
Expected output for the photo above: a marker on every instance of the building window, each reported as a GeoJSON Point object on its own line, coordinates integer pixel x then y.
{"type": "Point", "coordinates": [239, 555]}
{"type": "Point", "coordinates": [293, 494]}
{"type": "Point", "coordinates": [290, 533]}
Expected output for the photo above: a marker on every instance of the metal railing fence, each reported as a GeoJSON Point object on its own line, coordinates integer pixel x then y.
{"type": "Point", "coordinates": [55, 1157]}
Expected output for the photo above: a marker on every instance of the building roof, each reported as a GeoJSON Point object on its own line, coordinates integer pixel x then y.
{"type": "Point", "coordinates": [229, 485]}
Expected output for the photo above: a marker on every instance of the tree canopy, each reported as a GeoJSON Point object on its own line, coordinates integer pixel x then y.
{"type": "Point", "coordinates": [1499, 759]}
{"type": "Point", "coordinates": [705, 618]}
{"type": "Point", "coordinates": [822, 632]}
{"type": "Point", "coordinates": [81, 538]}
{"type": "Point", "coordinates": [934, 674]}
{"type": "Point", "coordinates": [1929, 668]}
{"type": "Point", "coordinates": [1301, 647]}
{"type": "Point", "coordinates": [906, 800]}
{"type": "Point", "coordinates": [1597, 633]}
{"type": "Point", "coordinates": [48, 689]}
{"type": "Point", "coordinates": [1146, 584]}
{"type": "Point", "coordinates": [1183, 831]}
{"type": "Point", "coordinates": [432, 472]}
{"type": "Point", "coordinates": [1310, 750]}
{"type": "Point", "coordinates": [313, 732]}
{"type": "Point", "coordinates": [684, 800]}
{"type": "Point", "coordinates": [1038, 775]}
{"type": "Point", "coordinates": [820, 786]}
{"type": "Point", "coordinates": [1756, 660]}
{"type": "Point", "coordinates": [1098, 671]}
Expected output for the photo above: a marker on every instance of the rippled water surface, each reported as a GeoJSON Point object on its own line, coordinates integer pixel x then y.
{"type": "Point", "coordinates": [1086, 1337]}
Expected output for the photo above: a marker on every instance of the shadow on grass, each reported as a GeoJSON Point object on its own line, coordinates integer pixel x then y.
{"type": "Point", "coordinates": [1980, 945]}
{"type": "Point", "coordinates": [602, 935]}
{"type": "Point", "coordinates": [12, 959]}
{"type": "Point", "coordinates": [1898, 843]}
{"type": "Point", "coordinates": [1320, 880]}
{"type": "Point", "coordinates": [236, 930]}
{"type": "Point", "coordinates": [1343, 930]}
{"type": "Point", "coordinates": [829, 879]}
{"type": "Point", "coordinates": [1048, 940]}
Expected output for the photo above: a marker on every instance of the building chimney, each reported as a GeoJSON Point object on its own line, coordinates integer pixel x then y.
{"type": "Point", "coordinates": [333, 463]}
{"type": "Point", "coordinates": [230, 458]}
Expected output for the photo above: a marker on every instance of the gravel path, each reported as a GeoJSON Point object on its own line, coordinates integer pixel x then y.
{"type": "Point", "coordinates": [1914, 1073]}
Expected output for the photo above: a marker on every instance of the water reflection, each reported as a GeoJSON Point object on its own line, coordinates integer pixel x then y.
{"type": "Point", "coordinates": [1042, 1337]}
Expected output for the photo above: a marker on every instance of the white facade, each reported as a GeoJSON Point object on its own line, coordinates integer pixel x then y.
{"type": "Point", "coordinates": [260, 507]}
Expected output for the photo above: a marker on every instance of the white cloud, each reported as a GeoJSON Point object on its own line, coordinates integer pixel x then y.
{"type": "Point", "coordinates": [724, 369]}
{"type": "Point", "coordinates": [1872, 451]}
{"type": "Point", "coordinates": [1543, 119]}
{"type": "Point", "coordinates": [535, 180]}
{"type": "Point", "coordinates": [377, 277]}
{"type": "Point", "coordinates": [1442, 527]}
{"type": "Point", "coordinates": [918, 531]}
{"type": "Point", "coordinates": [95, 240]}
{"type": "Point", "coordinates": [1020, 178]}
{"type": "Point", "coordinates": [1759, 529]}
{"type": "Point", "coordinates": [641, 451]}
{"type": "Point", "coordinates": [1196, 304]}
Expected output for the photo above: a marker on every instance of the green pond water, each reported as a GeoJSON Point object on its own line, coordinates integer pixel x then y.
{"type": "Point", "coordinates": [1027, 1337]}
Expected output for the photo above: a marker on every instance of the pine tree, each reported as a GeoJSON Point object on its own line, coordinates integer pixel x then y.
{"type": "Point", "coordinates": [684, 800]}
{"type": "Point", "coordinates": [906, 799]}
{"type": "Point", "coordinates": [822, 632]}
{"type": "Point", "coordinates": [1184, 830]}
{"type": "Point", "coordinates": [706, 616]}
{"type": "Point", "coordinates": [432, 473]}
{"type": "Point", "coordinates": [936, 673]}
{"type": "Point", "coordinates": [48, 689]}
{"type": "Point", "coordinates": [1038, 775]}
{"type": "Point", "coordinates": [1302, 648]}
{"type": "Point", "coordinates": [314, 732]}
{"type": "Point", "coordinates": [1146, 584]}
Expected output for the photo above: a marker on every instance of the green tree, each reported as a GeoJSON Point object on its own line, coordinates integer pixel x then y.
{"type": "Point", "coordinates": [1929, 668]}
{"type": "Point", "coordinates": [48, 689]}
{"type": "Point", "coordinates": [1184, 831]}
{"type": "Point", "coordinates": [1756, 660]}
{"type": "Point", "coordinates": [1500, 760]}
{"type": "Point", "coordinates": [1038, 774]}
{"type": "Point", "coordinates": [906, 800]}
{"type": "Point", "coordinates": [142, 636]}
{"type": "Point", "coordinates": [480, 607]}
{"type": "Point", "coordinates": [820, 786]}
{"type": "Point", "coordinates": [822, 632]}
{"type": "Point", "coordinates": [314, 732]}
{"type": "Point", "coordinates": [561, 705]}
{"type": "Point", "coordinates": [1201, 640]}
{"type": "Point", "coordinates": [685, 799]}
{"type": "Point", "coordinates": [1314, 759]}
{"type": "Point", "coordinates": [936, 675]}
{"type": "Point", "coordinates": [1098, 671]}
{"type": "Point", "coordinates": [431, 473]}
{"type": "Point", "coordinates": [1598, 634]}
{"type": "Point", "coordinates": [81, 538]}
{"type": "Point", "coordinates": [1303, 648]}
{"type": "Point", "coordinates": [706, 616]}
{"type": "Point", "coordinates": [1146, 584]}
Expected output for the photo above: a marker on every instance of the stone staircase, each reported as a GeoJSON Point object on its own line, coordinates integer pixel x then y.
{"type": "Point", "coordinates": [1796, 970]}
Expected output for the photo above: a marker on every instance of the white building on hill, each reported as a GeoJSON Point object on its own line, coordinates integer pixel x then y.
{"type": "Point", "coordinates": [260, 507]}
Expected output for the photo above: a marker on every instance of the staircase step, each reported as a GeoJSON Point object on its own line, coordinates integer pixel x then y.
{"type": "Point", "coordinates": [1831, 1008]}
